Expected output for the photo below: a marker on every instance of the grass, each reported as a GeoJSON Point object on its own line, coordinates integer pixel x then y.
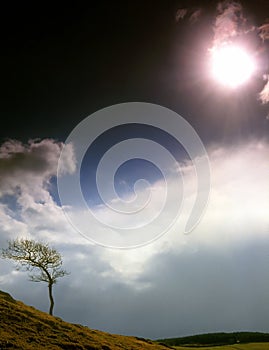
{"type": "Point", "coordinates": [250, 346]}
{"type": "Point", "coordinates": [221, 340]}
{"type": "Point", "coordinates": [24, 327]}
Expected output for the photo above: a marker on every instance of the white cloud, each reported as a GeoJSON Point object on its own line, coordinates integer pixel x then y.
{"type": "Point", "coordinates": [264, 31]}
{"type": "Point", "coordinates": [238, 210]}
{"type": "Point", "coordinates": [229, 21]}
{"type": "Point", "coordinates": [264, 94]}
{"type": "Point", "coordinates": [26, 171]}
{"type": "Point", "coordinates": [236, 222]}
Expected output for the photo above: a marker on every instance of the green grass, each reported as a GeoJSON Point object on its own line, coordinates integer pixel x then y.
{"type": "Point", "coordinates": [235, 340]}
{"type": "Point", "coordinates": [250, 346]}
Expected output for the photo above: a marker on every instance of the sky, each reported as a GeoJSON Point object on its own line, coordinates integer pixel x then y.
{"type": "Point", "coordinates": [71, 74]}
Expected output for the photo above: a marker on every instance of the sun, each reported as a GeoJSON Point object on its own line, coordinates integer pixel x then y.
{"type": "Point", "coordinates": [232, 66]}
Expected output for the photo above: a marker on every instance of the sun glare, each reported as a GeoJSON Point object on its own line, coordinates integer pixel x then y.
{"type": "Point", "coordinates": [232, 66]}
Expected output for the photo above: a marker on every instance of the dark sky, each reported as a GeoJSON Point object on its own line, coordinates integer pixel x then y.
{"type": "Point", "coordinates": [61, 63]}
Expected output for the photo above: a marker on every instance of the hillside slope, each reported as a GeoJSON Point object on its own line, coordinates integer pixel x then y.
{"type": "Point", "coordinates": [218, 339]}
{"type": "Point", "coordinates": [23, 327]}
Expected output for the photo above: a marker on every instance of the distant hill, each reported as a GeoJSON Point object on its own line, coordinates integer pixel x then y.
{"type": "Point", "coordinates": [214, 339]}
{"type": "Point", "coordinates": [23, 327]}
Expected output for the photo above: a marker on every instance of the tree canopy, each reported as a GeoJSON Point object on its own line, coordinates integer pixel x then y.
{"type": "Point", "coordinates": [43, 263]}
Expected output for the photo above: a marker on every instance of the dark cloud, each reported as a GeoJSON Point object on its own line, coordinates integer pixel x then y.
{"type": "Point", "coordinates": [29, 165]}
{"type": "Point", "coordinates": [192, 14]}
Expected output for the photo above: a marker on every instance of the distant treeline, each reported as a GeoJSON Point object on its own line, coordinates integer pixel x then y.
{"type": "Point", "coordinates": [217, 339]}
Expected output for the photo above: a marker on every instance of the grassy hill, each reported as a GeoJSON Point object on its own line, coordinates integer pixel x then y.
{"type": "Point", "coordinates": [218, 339]}
{"type": "Point", "coordinates": [23, 327]}
{"type": "Point", "coordinates": [250, 346]}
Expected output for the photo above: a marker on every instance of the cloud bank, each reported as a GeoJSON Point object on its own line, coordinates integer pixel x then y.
{"type": "Point", "coordinates": [215, 279]}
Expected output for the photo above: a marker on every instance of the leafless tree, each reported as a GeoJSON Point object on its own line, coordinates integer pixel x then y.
{"type": "Point", "coordinates": [43, 263]}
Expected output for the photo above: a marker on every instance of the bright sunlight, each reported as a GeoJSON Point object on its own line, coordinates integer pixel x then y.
{"type": "Point", "coordinates": [232, 66]}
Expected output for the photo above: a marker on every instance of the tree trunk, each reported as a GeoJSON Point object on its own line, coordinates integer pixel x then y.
{"type": "Point", "coordinates": [51, 298]}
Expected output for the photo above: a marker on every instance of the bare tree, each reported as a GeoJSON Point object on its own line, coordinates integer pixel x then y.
{"type": "Point", "coordinates": [43, 263]}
